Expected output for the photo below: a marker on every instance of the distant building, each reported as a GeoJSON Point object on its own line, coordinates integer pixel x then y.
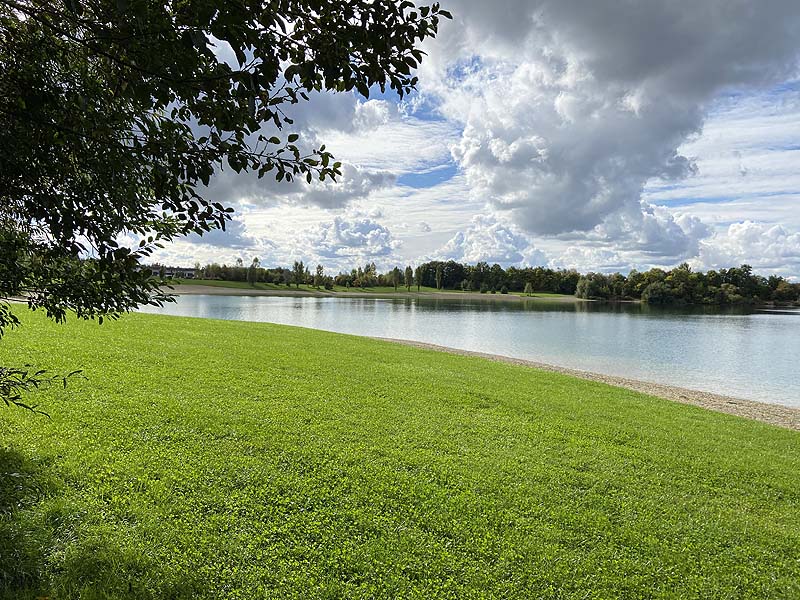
{"type": "Point", "coordinates": [179, 273]}
{"type": "Point", "coordinates": [174, 272]}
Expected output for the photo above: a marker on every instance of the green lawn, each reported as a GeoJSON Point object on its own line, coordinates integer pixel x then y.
{"type": "Point", "coordinates": [210, 459]}
{"type": "Point", "coordinates": [339, 288]}
{"type": "Point", "coordinates": [233, 284]}
{"type": "Point", "coordinates": [304, 287]}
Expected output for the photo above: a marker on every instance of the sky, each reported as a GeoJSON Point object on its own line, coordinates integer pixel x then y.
{"type": "Point", "coordinates": [601, 135]}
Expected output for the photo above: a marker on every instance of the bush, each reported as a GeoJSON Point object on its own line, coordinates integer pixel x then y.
{"type": "Point", "coordinates": [657, 293]}
{"type": "Point", "coordinates": [504, 290]}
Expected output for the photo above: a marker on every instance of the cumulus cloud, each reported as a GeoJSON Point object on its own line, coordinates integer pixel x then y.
{"type": "Point", "coordinates": [235, 235]}
{"type": "Point", "coordinates": [354, 183]}
{"type": "Point", "coordinates": [586, 259]}
{"type": "Point", "coordinates": [489, 240]}
{"type": "Point", "coordinates": [363, 239]}
{"type": "Point", "coordinates": [620, 134]}
{"type": "Point", "coordinates": [234, 189]}
{"type": "Point", "coordinates": [766, 247]}
{"type": "Point", "coordinates": [653, 232]}
{"type": "Point", "coordinates": [569, 107]}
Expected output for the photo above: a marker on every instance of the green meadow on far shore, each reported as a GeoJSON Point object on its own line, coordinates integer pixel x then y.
{"type": "Point", "coordinates": [221, 459]}
{"type": "Point", "coordinates": [338, 289]}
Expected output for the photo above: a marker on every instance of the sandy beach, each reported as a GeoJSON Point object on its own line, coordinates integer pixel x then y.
{"type": "Point", "coordinates": [774, 414]}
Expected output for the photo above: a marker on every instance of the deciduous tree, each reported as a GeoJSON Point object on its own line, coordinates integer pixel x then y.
{"type": "Point", "coordinates": [116, 114]}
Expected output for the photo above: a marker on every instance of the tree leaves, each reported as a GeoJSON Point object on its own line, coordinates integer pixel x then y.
{"type": "Point", "coordinates": [116, 114]}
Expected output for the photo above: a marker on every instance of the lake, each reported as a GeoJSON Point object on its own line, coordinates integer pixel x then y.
{"type": "Point", "coordinates": [741, 353]}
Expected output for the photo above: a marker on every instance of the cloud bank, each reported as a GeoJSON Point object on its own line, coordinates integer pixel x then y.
{"type": "Point", "coordinates": [569, 107]}
{"type": "Point", "coordinates": [600, 135]}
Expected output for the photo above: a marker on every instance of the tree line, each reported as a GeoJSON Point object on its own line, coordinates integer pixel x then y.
{"type": "Point", "coordinates": [681, 285]}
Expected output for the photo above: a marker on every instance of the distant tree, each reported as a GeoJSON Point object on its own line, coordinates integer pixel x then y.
{"type": "Point", "coordinates": [658, 292]}
{"type": "Point", "coordinates": [395, 277]}
{"type": "Point", "coordinates": [419, 275]}
{"type": "Point", "coordinates": [784, 292]}
{"type": "Point", "coordinates": [408, 278]}
{"type": "Point", "coordinates": [299, 273]}
{"type": "Point", "coordinates": [528, 289]}
{"type": "Point", "coordinates": [319, 276]}
{"type": "Point", "coordinates": [252, 272]}
{"type": "Point", "coordinates": [439, 276]}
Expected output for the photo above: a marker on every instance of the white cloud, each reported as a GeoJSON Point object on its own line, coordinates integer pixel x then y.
{"type": "Point", "coordinates": [399, 144]}
{"type": "Point", "coordinates": [765, 247]}
{"type": "Point", "coordinates": [345, 242]}
{"type": "Point", "coordinates": [585, 259]}
{"type": "Point", "coordinates": [235, 189]}
{"type": "Point", "coordinates": [620, 134]}
{"type": "Point", "coordinates": [235, 235]}
{"type": "Point", "coordinates": [653, 231]}
{"type": "Point", "coordinates": [489, 240]}
{"type": "Point", "coordinates": [570, 108]}
{"type": "Point", "coordinates": [748, 150]}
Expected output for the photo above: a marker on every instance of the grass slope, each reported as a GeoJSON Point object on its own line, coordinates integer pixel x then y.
{"type": "Point", "coordinates": [307, 288]}
{"type": "Point", "coordinates": [344, 290]}
{"type": "Point", "coordinates": [239, 460]}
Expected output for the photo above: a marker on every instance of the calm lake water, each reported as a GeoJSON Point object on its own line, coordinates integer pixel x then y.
{"type": "Point", "coordinates": [747, 354]}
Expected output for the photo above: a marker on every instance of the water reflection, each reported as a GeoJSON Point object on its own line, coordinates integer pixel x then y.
{"type": "Point", "coordinates": [734, 351]}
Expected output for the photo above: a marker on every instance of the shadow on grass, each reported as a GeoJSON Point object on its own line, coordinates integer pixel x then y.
{"type": "Point", "coordinates": [23, 485]}
{"type": "Point", "coordinates": [45, 553]}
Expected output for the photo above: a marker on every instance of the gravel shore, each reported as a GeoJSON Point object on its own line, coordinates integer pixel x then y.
{"type": "Point", "coordinates": [774, 414]}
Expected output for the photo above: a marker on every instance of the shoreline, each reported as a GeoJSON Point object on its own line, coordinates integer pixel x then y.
{"type": "Point", "coordinates": [210, 290]}
{"type": "Point", "coordinates": [779, 415]}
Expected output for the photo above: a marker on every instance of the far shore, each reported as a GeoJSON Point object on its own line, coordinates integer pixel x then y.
{"type": "Point", "coordinates": [774, 414]}
{"type": "Point", "coordinates": [209, 290]}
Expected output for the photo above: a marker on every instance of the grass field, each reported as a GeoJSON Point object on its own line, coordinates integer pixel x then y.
{"type": "Point", "coordinates": [308, 288]}
{"type": "Point", "coordinates": [211, 459]}
{"type": "Point", "coordinates": [344, 290]}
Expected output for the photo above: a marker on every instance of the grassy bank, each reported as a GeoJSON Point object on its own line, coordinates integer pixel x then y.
{"type": "Point", "coordinates": [240, 460]}
{"type": "Point", "coordinates": [341, 290]}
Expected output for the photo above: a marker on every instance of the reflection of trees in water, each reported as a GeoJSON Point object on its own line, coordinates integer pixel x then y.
{"type": "Point", "coordinates": [583, 307]}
